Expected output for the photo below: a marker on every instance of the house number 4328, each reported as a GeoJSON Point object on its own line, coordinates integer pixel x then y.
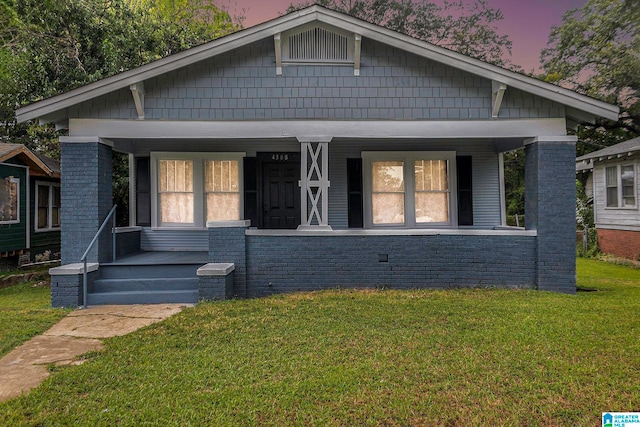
{"type": "Point", "coordinates": [280, 157]}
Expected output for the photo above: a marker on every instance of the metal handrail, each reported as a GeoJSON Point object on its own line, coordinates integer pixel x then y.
{"type": "Point", "coordinates": [83, 260]}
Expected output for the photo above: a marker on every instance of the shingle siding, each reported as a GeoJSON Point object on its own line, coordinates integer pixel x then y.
{"type": "Point", "coordinates": [393, 85]}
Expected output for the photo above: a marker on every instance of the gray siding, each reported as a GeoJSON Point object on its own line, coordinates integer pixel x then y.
{"type": "Point", "coordinates": [174, 240]}
{"type": "Point", "coordinates": [242, 85]}
{"type": "Point", "coordinates": [612, 216]}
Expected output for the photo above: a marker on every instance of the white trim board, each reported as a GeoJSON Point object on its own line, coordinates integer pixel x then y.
{"type": "Point", "coordinates": [316, 130]}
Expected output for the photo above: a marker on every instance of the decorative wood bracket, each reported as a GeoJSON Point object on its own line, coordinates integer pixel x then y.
{"type": "Point", "coordinates": [137, 90]}
{"type": "Point", "coordinates": [356, 54]}
{"type": "Point", "coordinates": [497, 92]}
{"type": "Point", "coordinates": [278, 46]}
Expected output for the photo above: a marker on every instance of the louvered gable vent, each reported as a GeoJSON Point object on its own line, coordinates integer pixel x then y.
{"type": "Point", "coordinates": [318, 44]}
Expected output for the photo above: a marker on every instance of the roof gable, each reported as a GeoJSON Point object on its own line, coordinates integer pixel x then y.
{"type": "Point", "coordinates": [39, 165]}
{"type": "Point", "coordinates": [580, 107]}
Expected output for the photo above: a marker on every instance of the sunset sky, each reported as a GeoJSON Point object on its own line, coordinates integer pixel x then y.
{"type": "Point", "coordinates": [526, 22]}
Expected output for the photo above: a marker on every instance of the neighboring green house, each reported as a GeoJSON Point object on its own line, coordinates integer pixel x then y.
{"type": "Point", "coordinates": [29, 205]}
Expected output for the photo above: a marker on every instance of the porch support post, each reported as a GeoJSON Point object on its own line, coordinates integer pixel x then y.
{"type": "Point", "coordinates": [87, 197]}
{"type": "Point", "coordinates": [550, 200]}
{"type": "Point", "coordinates": [314, 184]}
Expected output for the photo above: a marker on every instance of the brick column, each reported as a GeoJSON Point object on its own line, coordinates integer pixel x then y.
{"type": "Point", "coordinates": [86, 197]}
{"type": "Point", "coordinates": [227, 244]}
{"type": "Point", "coordinates": [550, 209]}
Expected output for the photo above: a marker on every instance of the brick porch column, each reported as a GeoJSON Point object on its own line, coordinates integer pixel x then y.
{"type": "Point", "coordinates": [550, 200]}
{"type": "Point", "coordinates": [86, 193]}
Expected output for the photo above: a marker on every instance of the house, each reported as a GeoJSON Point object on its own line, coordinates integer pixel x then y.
{"type": "Point", "coordinates": [315, 151]}
{"type": "Point", "coordinates": [29, 205]}
{"type": "Point", "coordinates": [612, 181]}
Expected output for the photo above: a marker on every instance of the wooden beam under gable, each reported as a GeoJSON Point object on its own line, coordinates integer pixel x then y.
{"type": "Point", "coordinates": [277, 40]}
{"type": "Point", "coordinates": [137, 90]}
{"type": "Point", "coordinates": [497, 93]}
{"type": "Point", "coordinates": [356, 54]}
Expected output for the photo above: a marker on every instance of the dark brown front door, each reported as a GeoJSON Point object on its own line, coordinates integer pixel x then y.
{"type": "Point", "coordinates": [280, 194]}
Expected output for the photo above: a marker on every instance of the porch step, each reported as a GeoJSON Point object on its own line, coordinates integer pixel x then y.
{"type": "Point", "coordinates": [143, 297]}
{"type": "Point", "coordinates": [139, 283]}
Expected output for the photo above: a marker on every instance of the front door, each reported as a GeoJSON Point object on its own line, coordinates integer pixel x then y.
{"type": "Point", "coordinates": [280, 191]}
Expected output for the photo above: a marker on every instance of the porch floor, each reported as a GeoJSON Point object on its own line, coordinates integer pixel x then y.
{"type": "Point", "coordinates": [169, 257]}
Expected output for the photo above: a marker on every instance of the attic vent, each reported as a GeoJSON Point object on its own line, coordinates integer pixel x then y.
{"type": "Point", "coordinates": [318, 44]}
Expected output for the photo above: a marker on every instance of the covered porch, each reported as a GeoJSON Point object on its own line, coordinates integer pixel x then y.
{"type": "Point", "coordinates": [331, 237]}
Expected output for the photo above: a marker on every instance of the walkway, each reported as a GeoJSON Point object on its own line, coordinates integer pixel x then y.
{"type": "Point", "coordinates": [78, 333]}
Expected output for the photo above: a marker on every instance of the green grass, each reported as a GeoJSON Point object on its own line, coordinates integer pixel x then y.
{"type": "Point", "coordinates": [462, 357]}
{"type": "Point", "coordinates": [25, 312]}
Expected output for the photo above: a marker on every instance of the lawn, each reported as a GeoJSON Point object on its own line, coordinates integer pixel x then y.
{"type": "Point", "coordinates": [461, 357]}
{"type": "Point", "coordinates": [25, 311]}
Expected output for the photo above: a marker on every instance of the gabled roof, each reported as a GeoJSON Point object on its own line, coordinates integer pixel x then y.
{"type": "Point", "coordinates": [580, 107]}
{"type": "Point", "coordinates": [38, 164]}
{"type": "Point", "coordinates": [623, 149]}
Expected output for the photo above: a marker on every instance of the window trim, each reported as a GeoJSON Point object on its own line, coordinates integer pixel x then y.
{"type": "Point", "coordinates": [199, 195]}
{"type": "Point", "coordinates": [15, 180]}
{"type": "Point", "coordinates": [619, 188]}
{"type": "Point", "coordinates": [49, 207]}
{"type": "Point", "coordinates": [409, 158]}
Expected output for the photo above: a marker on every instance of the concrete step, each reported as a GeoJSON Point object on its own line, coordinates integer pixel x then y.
{"type": "Point", "coordinates": [143, 297]}
{"type": "Point", "coordinates": [115, 271]}
{"type": "Point", "coordinates": [144, 284]}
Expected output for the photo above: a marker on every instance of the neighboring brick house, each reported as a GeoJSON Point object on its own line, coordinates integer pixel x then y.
{"type": "Point", "coordinates": [612, 181]}
{"type": "Point", "coordinates": [317, 151]}
{"type": "Point", "coordinates": [29, 205]}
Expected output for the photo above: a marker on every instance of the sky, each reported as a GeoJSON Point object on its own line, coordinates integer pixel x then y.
{"type": "Point", "coordinates": [526, 22]}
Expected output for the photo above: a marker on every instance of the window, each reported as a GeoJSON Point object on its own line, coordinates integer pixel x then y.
{"type": "Point", "coordinates": [9, 200]}
{"type": "Point", "coordinates": [620, 184]}
{"type": "Point", "coordinates": [222, 190]}
{"type": "Point", "coordinates": [409, 189]}
{"type": "Point", "coordinates": [192, 188]}
{"type": "Point", "coordinates": [48, 206]}
{"type": "Point", "coordinates": [176, 191]}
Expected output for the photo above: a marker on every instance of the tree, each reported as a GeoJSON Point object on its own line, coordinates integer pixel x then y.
{"type": "Point", "coordinates": [468, 28]}
{"type": "Point", "coordinates": [596, 51]}
{"type": "Point", "coordinates": [52, 46]}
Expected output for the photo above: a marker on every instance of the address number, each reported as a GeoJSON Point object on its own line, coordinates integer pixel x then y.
{"type": "Point", "coordinates": [280, 157]}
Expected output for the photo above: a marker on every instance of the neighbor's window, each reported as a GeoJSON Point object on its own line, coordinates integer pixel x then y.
{"type": "Point", "coordinates": [621, 186]}
{"type": "Point", "coordinates": [175, 190]}
{"type": "Point", "coordinates": [48, 202]}
{"type": "Point", "coordinates": [222, 189]}
{"type": "Point", "coordinates": [410, 189]}
{"type": "Point", "coordinates": [9, 203]}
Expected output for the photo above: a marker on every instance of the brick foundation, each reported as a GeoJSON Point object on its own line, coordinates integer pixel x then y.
{"type": "Point", "coordinates": [621, 243]}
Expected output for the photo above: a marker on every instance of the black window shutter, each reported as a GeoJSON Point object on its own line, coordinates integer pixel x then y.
{"type": "Point", "coordinates": [143, 191]}
{"type": "Point", "coordinates": [250, 169]}
{"type": "Point", "coordinates": [465, 188]}
{"type": "Point", "coordinates": [354, 191]}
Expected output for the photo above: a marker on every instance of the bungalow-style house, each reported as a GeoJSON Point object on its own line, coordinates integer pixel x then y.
{"type": "Point", "coordinates": [29, 205]}
{"type": "Point", "coordinates": [315, 151]}
{"type": "Point", "coordinates": [612, 181]}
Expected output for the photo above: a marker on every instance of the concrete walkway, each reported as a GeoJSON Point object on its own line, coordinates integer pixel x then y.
{"type": "Point", "coordinates": [78, 333]}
